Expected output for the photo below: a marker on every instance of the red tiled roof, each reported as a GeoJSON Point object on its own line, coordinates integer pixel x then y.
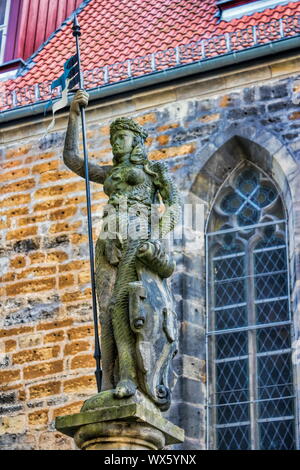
{"type": "Point", "coordinates": [116, 30]}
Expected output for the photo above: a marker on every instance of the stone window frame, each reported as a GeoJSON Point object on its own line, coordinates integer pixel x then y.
{"type": "Point", "coordinates": [205, 173]}
{"type": "Point", "coordinates": [214, 239]}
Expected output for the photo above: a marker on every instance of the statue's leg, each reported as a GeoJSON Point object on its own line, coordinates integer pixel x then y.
{"type": "Point", "coordinates": [124, 336]}
{"type": "Point", "coordinates": [105, 280]}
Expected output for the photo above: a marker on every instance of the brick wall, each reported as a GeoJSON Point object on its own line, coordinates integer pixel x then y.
{"type": "Point", "coordinates": [46, 333]}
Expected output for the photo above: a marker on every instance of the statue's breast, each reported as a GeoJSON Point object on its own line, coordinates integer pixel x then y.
{"type": "Point", "coordinates": [122, 179]}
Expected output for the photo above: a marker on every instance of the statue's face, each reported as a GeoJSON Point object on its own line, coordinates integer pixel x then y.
{"type": "Point", "coordinates": [122, 142]}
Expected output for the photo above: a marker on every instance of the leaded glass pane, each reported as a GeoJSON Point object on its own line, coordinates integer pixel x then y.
{"type": "Point", "coordinates": [232, 381]}
{"type": "Point", "coordinates": [264, 197]}
{"type": "Point", "coordinates": [277, 435]}
{"type": "Point", "coordinates": [231, 345]}
{"type": "Point", "coordinates": [274, 376]}
{"type": "Point", "coordinates": [248, 215]}
{"type": "Point", "coordinates": [270, 260]}
{"type": "Point", "coordinates": [236, 413]}
{"type": "Point", "coordinates": [231, 318]}
{"type": "Point", "coordinates": [229, 293]}
{"type": "Point", "coordinates": [247, 182]}
{"type": "Point", "coordinates": [276, 408]}
{"type": "Point", "coordinates": [270, 286]}
{"type": "Point", "coordinates": [273, 339]}
{"type": "Point", "coordinates": [232, 203]}
{"type": "Point", "coordinates": [272, 311]}
{"type": "Point", "coordinates": [233, 438]}
{"type": "Point", "coordinates": [228, 268]}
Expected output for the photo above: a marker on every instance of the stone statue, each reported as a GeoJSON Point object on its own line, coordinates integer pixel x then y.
{"type": "Point", "coordinates": [138, 324]}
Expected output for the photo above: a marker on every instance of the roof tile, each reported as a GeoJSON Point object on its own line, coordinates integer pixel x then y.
{"type": "Point", "coordinates": [116, 30]}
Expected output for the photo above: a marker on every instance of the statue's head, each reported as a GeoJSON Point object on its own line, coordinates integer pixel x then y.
{"type": "Point", "coordinates": [128, 137]}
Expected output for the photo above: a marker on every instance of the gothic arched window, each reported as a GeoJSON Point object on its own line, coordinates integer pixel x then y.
{"type": "Point", "coordinates": [250, 375]}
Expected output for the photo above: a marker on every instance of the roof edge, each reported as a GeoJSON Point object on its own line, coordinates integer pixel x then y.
{"type": "Point", "coordinates": [165, 76]}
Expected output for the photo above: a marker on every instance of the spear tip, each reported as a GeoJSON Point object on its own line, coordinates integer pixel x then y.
{"type": "Point", "coordinates": [76, 27]}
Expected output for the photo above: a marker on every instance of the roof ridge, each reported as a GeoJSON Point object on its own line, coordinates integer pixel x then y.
{"type": "Point", "coordinates": [26, 67]}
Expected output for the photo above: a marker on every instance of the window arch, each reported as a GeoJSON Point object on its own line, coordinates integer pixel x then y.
{"type": "Point", "coordinates": [251, 396]}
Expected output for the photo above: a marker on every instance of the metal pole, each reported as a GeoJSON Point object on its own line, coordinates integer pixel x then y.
{"type": "Point", "coordinates": [97, 353]}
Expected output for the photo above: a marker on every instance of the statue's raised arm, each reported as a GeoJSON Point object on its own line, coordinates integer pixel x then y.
{"type": "Point", "coordinates": [97, 173]}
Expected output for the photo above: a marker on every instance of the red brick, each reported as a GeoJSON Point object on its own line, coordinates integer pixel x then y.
{"type": "Point", "coordinates": [45, 167]}
{"type": "Point", "coordinates": [59, 190]}
{"type": "Point", "coordinates": [25, 287]}
{"type": "Point", "coordinates": [47, 205]}
{"type": "Point", "coordinates": [18, 186]}
{"type": "Point", "coordinates": [37, 271]}
{"type": "Point", "coordinates": [43, 369]}
{"type": "Point", "coordinates": [40, 157]}
{"type": "Point", "coordinates": [172, 151]}
{"type": "Point", "coordinates": [163, 139]}
{"type": "Point", "coordinates": [294, 116]}
{"type": "Point", "coordinates": [12, 164]}
{"type": "Point", "coordinates": [84, 277]}
{"type": "Point", "coordinates": [44, 389]}
{"type": "Point", "coordinates": [32, 219]}
{"type": "Point", "coordinates": [32, 355]}
{"type": "Point", "coordinates": [55, 336]}
{"type": "Point", "coordinates": [20, 233]}
{"type": "Point", "coordinates": [80, 384]}
{"type": "Point", "coordinates": [18, 152]}
{"type": "Point", "coordinates": [80, 332]}
{"type": "Point", "coordinates": [167, 127]}
{"type": "Point", "coordinates": [78, 238]}
{"type": "Point", "coordinates": [39, 417]}
{"type": "Point", "coordinates": [56, 176]}
{"type": "Point", "coordinates": [209, 117]}
{"type": "Point", "coordinates": [224, 101]}
{"type": "Point", "coordinates": [37, 257]}
{"type": "Point", "coordinates": [15, 200]}
{"type": "Point", "coordinates": [9, 376]}
{"type": "Point", "coordinates": [76, 296]}
{"type": "Point", "coordinates": [56, 257]}
{"type": "Point", "coordinates": [16, 212]}
{"type": "Point", "coordinates": [65, 281]}
{"type": "Point", "coordinates": [16, 331]}
{"type": "Point", "coordinates": [151, 117]}
{"type": "Point", "coordinates": [63, 213]}
{"type": "Point", "coordinates": [68, 409]}
{"type": "Point", "coordinates": [74, 266]}
{"type": "Point", "coordinates": [14, 174]}
{"type": "Point", "coordinates": [10, 345]}
{"type": "Point", "coordinates": [64, 227]}
{"type": "Point", "coordinates": [75, 347]}
{"type": "Point", "coordinates": [54, 324]}
{"type": "Point", "coordinates": [18, 262]}
{"type": "Point", "coordinates": [83, 361]}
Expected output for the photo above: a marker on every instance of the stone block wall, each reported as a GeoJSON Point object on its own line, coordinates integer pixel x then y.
{"type": "Point", "coordinates": [46, 331]}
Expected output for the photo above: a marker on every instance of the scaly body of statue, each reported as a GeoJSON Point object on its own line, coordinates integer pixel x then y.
{"type": "Point", "coordinates": [140, 182]}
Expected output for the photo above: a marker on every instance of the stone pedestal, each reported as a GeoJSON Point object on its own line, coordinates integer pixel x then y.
{"type": "Point", "coordinates": [108, 423]}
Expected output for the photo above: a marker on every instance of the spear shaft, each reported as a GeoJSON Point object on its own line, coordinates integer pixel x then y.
{"type": "Point", "coordinates": [97, 353]}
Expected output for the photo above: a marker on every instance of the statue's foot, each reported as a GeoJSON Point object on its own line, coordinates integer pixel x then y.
{"type": "Point", "coordinates": [125, 388]}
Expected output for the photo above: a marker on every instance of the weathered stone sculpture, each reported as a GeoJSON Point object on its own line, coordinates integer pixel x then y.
{"type": "Point", "coordinates": [138, 322]}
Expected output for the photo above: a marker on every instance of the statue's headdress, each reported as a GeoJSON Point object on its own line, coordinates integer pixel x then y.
{"type": "Point", "coordinates": [129, 124]}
